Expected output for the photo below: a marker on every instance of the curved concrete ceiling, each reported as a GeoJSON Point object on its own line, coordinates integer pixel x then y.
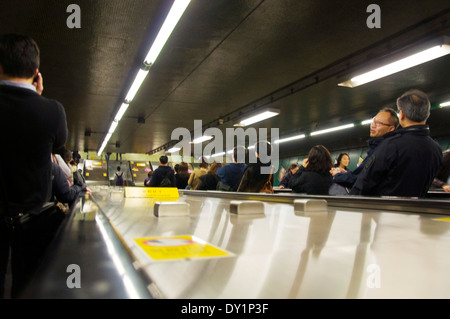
{"type": "Point", "coordinates": [226, 58]}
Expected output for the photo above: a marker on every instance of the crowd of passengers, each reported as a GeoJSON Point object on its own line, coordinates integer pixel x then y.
{"type": "Point", "coordinates": [402, 160]}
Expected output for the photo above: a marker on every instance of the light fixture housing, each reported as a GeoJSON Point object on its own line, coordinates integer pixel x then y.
{"type": "Point", "coordinates": [201, 139]}
{"type": "Point", "coordinates": [333, 129]}
{"type": "Point", "coordinates": [139, 79]}
{"type": "Point", "coordinates": [426, 55]}
{"type": "Point", "coordinates": [259, 116]}
{"type": "Point", "coordinates": [173, 149]}
{"type": "Point", "coordinates": [174, 15]}
{"type": "Point", "coordinates": [288, 139]}
{"type": "Point", "coordinates": [164, 33]}
{"type": "Point", "coordinates": [113, 127]}
{"type": "Point", "coordinates": [444, 104]}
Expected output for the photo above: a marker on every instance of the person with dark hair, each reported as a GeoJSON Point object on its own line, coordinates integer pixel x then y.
{"type": "Point", "coordinates": [148, 178]}
{"type": "Point", "coordinates": [182, 177]}
{"type": "Point", "coordinates": [230, 175]}
{"type": "Point", "coordinates": [76, 157]}
{"type": "Point", "coordinates": [29, 124]}
{"type": "Point", "coordinates": [384, 122]}
{"type": "Point", "coordinates": [63, 191]}
{"type": "Point", "coordinates": [194, 179]}
{"type": "Point", "coordinates": [313, 176]}
{"type": "Point", "coordinates": [210, 179]}
{"type": "Point", "coordinates": [258, 176]}
{"type": "Point", "coordinates": [118, 177]}
{"type": "Point", "coordinates": [406, 162]}
{"type": "Point", "coordinates": [342, 162]}
{"type": "Point", "coordinates": [67, 157]}
{"type": "Point", "coordinates": [292, 169]}
{"type": "Point", "coordinates": [162, 174]}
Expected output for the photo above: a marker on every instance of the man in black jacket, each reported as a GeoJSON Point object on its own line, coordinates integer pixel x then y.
{"type": "Point", "coordinates": [384, 122]}
{"type": "Point", "coordinates": [161, 172]}
{"type": "Point", "coordinates": [31, 128]}
{"type": "Point", "coordinates": [405, 163]}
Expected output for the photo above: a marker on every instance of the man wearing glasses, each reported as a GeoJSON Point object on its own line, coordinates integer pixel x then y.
{"type": "Point", "coordinates": [384, 122]}
{"type": "Point", "coordinates": [405, 162]}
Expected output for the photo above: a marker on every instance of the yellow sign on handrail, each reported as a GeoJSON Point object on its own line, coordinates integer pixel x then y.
{"type": "Point", "coordinates": [179, 247]}
{"type": "Point", "coordinates": [151, 192]}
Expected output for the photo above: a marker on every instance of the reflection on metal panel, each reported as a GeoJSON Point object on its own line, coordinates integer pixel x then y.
{"type": "Point", "coordinates": [281, 253]}
{"type": "Point", "coordinates": [284, 253]}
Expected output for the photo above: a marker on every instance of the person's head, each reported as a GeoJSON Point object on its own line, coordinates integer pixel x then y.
{"type": "Point", "coordinates": [342, 160]}
{"type": "Point", "coordinates": [76, 156]}
{"type": "Point", "coordinates": [118, 168]}
{"type": "Point", "coordinates": [202, 163]}
{"type": "Point", "coordinates": [183, 167]}
{"type": "Point", "coordinates": [240, 154]}
{"type": "Point", "coordinates": [19, 57]}
{"type": "Point", "coordinates": [384, 122]}
{"type": "Point", "coordinates": [177, 168]}
{"type": "Point", "coordinates": [163, 160]}
{"type": "Point", "coordinates": [150, 174]}
{"type": "Point", "coordinates": [214, 167]}
{"type": "Point", "coordinates": [293, 168]}
{"type": "Point", "coordinates": [68, 156]}
{"type": "Point", "coordinates": [413, 108]}
{"type": "Point", "coordinates": [319, 160]}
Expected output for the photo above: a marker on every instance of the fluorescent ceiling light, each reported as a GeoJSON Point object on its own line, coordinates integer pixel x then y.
{"type": "Point", "coordinates": [445, 104]}
{"type": "Point", "coordinates": [173, 149]}
{"type": "Point", "coordinates": [366, 122]}
{"type": "Point", "coordinates": [400, 65]}
{"type": "Point", "coordinates": [171, 21]}
{"type": "Point", "coordinates": [105, 141]}
{"type": "Point", "coordinates": [164, 33]}
{"type": "Point", "coordinates": [218, 154]}
{"type": "Point", "coordinates": [140, 77]}
{"type": "Point", "coordinates": [101, 149]}
{"type": "Point", "coordinates": [337, 128]}
{"type": "Point", "coordinates": [108, 136]}
{"type": "Point", "coordinates": [292, 138]}
{"type": "Point", "coordinates": [121, 112]}
{"type": "Point", "coordinates": [113, 126]}
{"type": "Point", "coordinates": [259, 117]}
{"type": "Point", "coordinates": [202, 139]}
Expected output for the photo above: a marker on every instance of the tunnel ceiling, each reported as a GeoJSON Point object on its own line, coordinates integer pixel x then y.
{"type": "Point", "coordinates": [227, 58]}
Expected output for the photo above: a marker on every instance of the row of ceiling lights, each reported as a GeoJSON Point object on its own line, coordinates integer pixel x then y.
{"type": "Point", "coordinates": [436, 51]}
{"type": "Point", "coordinates": [177, 10]}
{"type": "Point", "coordinates": [164, 33]}
{"type": "Point", "coordinates": [291, 138]}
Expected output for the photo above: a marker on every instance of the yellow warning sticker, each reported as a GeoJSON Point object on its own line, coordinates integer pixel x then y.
{"type": "Point", "coordinates": [179, 247]}
{"type": "Point", "coordinates": [151, 192]}
{"type": "Point", "coordinates": [447, 219]}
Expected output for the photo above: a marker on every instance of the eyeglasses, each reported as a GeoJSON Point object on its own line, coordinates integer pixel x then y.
{"type": "Point", "coordinates": [377, 122]}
